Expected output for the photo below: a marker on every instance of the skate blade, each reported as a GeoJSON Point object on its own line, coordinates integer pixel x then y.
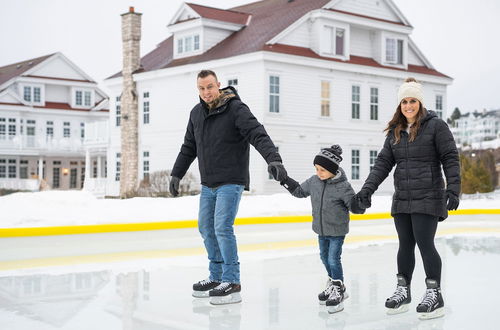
{"type": "Point", "coordinates": [401, 309]}
{"type": "Point", "coordinates": [200, 294]}
{"type": "Point", "coordinates": [336, 309]}
{"type": "Point", "coordinates": [439, 312]}
{"type": "Point", "coordinates": [322, 302]}
{"type": "Point", "coordinates": [232, 298]}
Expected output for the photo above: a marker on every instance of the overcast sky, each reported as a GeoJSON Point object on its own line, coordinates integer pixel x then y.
{"type": "Point", "coordinates": [459, 37]}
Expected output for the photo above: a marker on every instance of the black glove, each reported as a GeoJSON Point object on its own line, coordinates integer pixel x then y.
{"type": "Point", "coordinates": [355, 205]}
{"type": "Point", "coordinates": [277, 170]}
{"type": "Point", "coordinates": [364, 198]}
{"type": "Point", "coordinates": [453, 200]}
{"type": "Point", "coordinates": [289, 184]}
{"type": "Point", "coordinates": [174, 186]}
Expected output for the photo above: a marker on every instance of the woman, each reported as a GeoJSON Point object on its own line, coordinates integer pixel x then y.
{"type": "Point", "coordinates": [418, 143]}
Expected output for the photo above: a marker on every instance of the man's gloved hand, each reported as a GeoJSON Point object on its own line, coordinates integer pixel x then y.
{"type": "Point", "coordinates": [277, 170]}
{"type": "Point", "coordinates": [364, 198]}
{"type": "Point", "coordinates": [174, 186]}
{"type": "Point", "coordinates": [453, 200]}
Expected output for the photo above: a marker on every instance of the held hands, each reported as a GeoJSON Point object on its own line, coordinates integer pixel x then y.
{"type": "Point", "coordinates": [453, 200]}
{"type": "Point", "coordinates": [364, 198]}
{"type": "Point", "coordinates": [174, 186]}
{"type": "Point", "coordinates": [277, 170]}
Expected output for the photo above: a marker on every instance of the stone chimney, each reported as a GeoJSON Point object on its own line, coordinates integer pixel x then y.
{"type": "Point", "coordinates": [131, 38]}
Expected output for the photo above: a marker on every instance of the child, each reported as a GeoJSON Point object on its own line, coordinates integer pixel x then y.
{"type": "Point", "coordinates": [331, 197]}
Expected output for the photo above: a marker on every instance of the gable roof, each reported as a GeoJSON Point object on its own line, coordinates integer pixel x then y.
{"type": "Point", "coordinates": [16, 69]}
{"type": "Point", "coordinates": [268, 19]}
{"type": "Point", "coordinates": [228, 15]}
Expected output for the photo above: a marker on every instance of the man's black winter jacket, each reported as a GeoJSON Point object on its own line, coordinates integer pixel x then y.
{"type": "Point", "coordinates": [221, 138]}
{"type": "Point", "coordinates": [418, 179]}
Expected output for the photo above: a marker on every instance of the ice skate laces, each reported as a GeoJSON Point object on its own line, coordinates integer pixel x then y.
{"type": "Point", "coordinates": [334, 292]}
{"type": "Point", "coordinates": [430, 297]}
{"type": "Point", "coordinates": [223, 286]}
{"type": "Point", "coordinates": [206, 281]}
{"type": "Point", "coordinates": [400, 294]}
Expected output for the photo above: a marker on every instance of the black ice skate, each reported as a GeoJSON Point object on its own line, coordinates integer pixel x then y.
{"type": "Point", "coordinates": [337, 296]}
{"type": "Point", "coordinates": [432, 305]}
{"type": "Point", "coordinates": [323, 296]}
{"type": "Point", "coordinates": [400, 299]}
{"type": "Point", "coordinates": [225, 293]}
{"type": "Point", "coordinates": [201, 288]}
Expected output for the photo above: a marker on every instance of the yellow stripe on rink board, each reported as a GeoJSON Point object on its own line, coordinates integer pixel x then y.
{"type": "Point", "coordinates": [182, 252]}
{"type": "Point", "coordinates": [167, 225]}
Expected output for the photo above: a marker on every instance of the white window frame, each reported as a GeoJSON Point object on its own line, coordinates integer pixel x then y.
{"type": "Point", "coordinates": [355, 102]}
{"type": "Point", "coordinates": [439, 110]}
{"type": "Point", "coordinates": [275, 94]}
{"type": "Point", "coordinates": [325, 99]}
{"type": "Point", "coordinates": [374, 103]}
{"type": "Point", "coordinates": [146, 165]}
{"type": "Point", "coordinates": [84, 92]}
{"type": "Point", "coordinates": [356, 165]}
{"type": "Point", "coordinates": [32, 93]}
{"type": "Point", "coordinates": [118, 111]}
{"type": "Point", "coordinates": [373, 157]}
{"type": "Point", "coordinates": [328, 47]}
{"type": "Point", "coordinates": [233, 81]}
{"type": "Point", "coordinates": [188, 44]}
{"type": "Point", "coordinates": [394, 60]}
{"type": "Point", "coordinates": [146, 108]}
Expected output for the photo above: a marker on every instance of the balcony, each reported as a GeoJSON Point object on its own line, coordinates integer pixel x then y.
{"type": "Point", "coordinates": [37, 144]}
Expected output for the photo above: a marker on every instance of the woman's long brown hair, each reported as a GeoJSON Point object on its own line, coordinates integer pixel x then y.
{"type": "Point", "coordinates": [398, 123]}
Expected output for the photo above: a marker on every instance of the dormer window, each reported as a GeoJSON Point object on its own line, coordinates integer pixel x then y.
{"type": "Point", "coordinates": [334, 40]}
{"type": "Point", "coordinates": [82, 98]}
{"type": "Point", "coordinates": [394, 50]}
{"type": "Point", "coordinates": [32, 94]}
{"type": "Point", "coordinates": [188, 44]}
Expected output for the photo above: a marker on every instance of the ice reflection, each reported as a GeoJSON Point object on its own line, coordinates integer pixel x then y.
{"type": "Point", "coordinates": [278, 293]}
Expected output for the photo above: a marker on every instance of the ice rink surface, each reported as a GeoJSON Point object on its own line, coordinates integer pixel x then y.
{"type": "Point", "coordinates": [143, 280]}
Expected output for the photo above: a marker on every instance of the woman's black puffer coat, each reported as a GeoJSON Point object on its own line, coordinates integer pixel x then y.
{"type": "Point", "coordinates": [418, 179]}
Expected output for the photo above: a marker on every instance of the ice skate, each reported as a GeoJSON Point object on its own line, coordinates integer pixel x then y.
{"type": "Point", "coordinates": [432, 305]}
{"type": "Point", "coordinates": [323, 296]}
{"type": "Point", "coordinates": [225, 293]}
{"type": "Point", "coordinates": [400, 299]}
{"type": "Point", "coordinates": [335, 301]}
{"type": "Point", "coordinates": [201, 288]}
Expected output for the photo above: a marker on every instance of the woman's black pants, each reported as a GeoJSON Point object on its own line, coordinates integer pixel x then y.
{"type": "Point", "coordinates": [419, 229]}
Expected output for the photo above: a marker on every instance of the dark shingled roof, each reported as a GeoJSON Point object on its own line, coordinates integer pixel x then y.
{"type": "Point", "coordinates": [268, 19]}
{"type": "Point", "coordinates": [13, 70]}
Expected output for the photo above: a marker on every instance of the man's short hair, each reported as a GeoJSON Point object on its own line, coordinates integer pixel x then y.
{"type": "Point", "coordinates": [206, 73]}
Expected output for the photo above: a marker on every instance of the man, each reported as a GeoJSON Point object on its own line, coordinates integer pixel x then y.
{"type": "Point", "coordinates": [219, 132]}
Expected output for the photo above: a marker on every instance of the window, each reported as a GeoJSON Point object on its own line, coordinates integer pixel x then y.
{"type": "Point", "coordinates": [56, 177]}
{"type": "Point", "coordinates": [374, 103]}
{"type": "Point", "coordinates": [3, 131]}
{"type": "Point", "coordinates": [145, 167]}
{"type": "Point", "coordinates": [118, 166]}
{"type": "Point", "coordinates": [356, 97]}
{"type": "Point", "coordinates": [188, 44]}
{"type": "Point", "coordinates": [12, 168]}
{"type": "Point", "coordinates": [233, 82]}
{"type": "Point", "coordinates": [325, 99]}
{"type": "Point", "coordinates": [32, 94]}
{"type": "Point", "coordinates": [23, 169]}
{"type": "Point", "coordinates": [73, 178]}
{"type": "Point", "coordinates": [118, 110]}
{"type": "Point", "coordinates": [274, 94]}
{"type": "Point", "coordinates": [3, 168]}
{"type": "Point", "coordinates": [394, 50]}
{"type": "Point", "coordinates": [82, 131]}
{"type": "Point", "coordinates": [78, 97]}
{"type": "Point", "coordinates": [145, 107]}
{"type": "Point", "coordinates": [67, 129]}
{"type": "Point", "coordinates": [94, 169]}
{"type": "Point", "coordinates": [50, 129]}
{"type": "Point", "coordinates": [355, 164]}
{"type": "Point", "coordinates": [12, 128]}
{"type": "Point", "coordinates": [334, 40]}
{"type": "Point", "coordinates": [87, 100]}
{"type": "Point", "coordinates": [439, 105]}
{"type": "Point", "coordinates": [373, 157]}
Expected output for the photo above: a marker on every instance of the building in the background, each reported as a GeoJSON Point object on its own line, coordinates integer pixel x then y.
{"type": "Point", "coordinates": [49, 110]}
{"type": "Point", "coordinates": [314, 72]}
{"type": "Point", "coordinates": [477, 130]}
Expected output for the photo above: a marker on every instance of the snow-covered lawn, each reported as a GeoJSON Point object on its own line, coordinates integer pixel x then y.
{"type": "Point", "coordinates": [59, 208]}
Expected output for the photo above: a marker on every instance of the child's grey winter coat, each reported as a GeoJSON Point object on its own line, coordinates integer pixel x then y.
{"type": "Point", "coordinates": [331, 201]}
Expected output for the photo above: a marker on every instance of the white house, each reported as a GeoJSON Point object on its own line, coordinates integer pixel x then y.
{"type": "Point", "coordinates": [314, 72]}
{"type": "Point", "coordinates": [478, 130]}
{"type": "Point", "coordinates": [48, 107]}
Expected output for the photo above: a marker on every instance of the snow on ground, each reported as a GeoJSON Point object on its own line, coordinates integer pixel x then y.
{"type": "Point", "coordinates": [60, 208]}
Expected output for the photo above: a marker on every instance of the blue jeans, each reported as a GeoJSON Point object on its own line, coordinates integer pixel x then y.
{"type": "Point", "coordinates": [218, 208]}
{"type": "Point", "coordinates": [330, 250]}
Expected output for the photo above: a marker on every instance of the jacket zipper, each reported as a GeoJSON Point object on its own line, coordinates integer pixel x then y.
{"type": "Point", "coordinates": [407, 173]}
{"type": "Point", "coordinates": [321, 210]}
